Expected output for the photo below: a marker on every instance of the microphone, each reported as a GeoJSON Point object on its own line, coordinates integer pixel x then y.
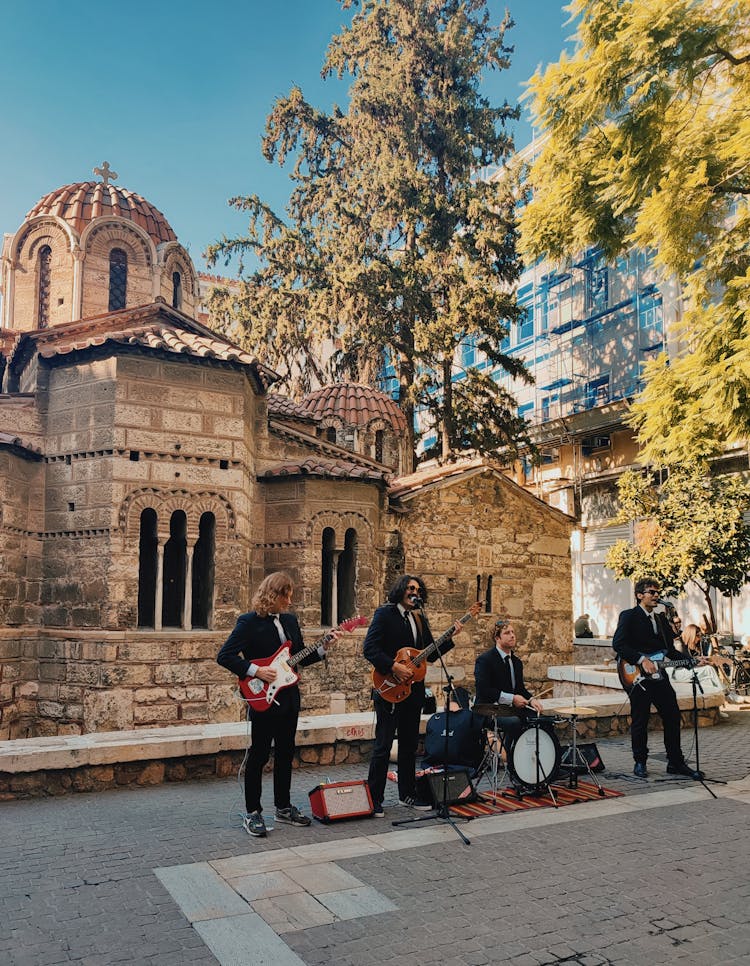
{"type": "Point", "coordinates": [415, 599]}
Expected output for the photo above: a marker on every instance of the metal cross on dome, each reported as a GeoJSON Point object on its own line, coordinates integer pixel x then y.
{"type": "Point", "coordinates": [106, 173]}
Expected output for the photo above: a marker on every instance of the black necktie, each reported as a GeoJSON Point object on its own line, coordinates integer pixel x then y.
{"type": "Point", "coordinates": [509, 665]}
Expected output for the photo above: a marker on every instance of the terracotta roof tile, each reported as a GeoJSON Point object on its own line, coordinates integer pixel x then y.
{"type": "Point", "coordinates": [155, 327]}
{"type": "Point", "coordinates": [320, 467]}
{"type": "Point", "coordinates": [10, 439]}
{"type": "Point", "coordinates": [282, 407]}
{"type": "Point", "coordinates": [78, 204]}
{"type": "Point", "coordinates": [435, 473]}
{"type": "Point", "coordinates": [355, 404]}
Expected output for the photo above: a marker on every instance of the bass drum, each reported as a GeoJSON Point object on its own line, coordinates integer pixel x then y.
{"type": "Point", "coordinates": [534, 759]}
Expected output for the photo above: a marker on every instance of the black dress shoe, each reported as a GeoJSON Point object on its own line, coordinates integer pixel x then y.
{"type": "Point", "coordinates": [640, 770]}
{"type": "Point", "coordinates": [686, 770]}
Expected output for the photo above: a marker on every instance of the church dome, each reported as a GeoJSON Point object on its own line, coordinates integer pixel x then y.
{"type": "Point", "coordinates": [355, 404]}
{"type": "Point", "coordinates": [79, 204]}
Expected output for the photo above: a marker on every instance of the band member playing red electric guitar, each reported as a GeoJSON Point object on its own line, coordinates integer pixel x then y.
{"type": "Point", "coordinates": [259, 635]}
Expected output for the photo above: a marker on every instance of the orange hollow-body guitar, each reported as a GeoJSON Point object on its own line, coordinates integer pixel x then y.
{"type": "Point", "coordinates": [395, 691]}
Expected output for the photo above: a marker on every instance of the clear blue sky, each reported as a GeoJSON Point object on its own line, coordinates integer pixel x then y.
{"type": "Point", "coordinates": [175, 96]}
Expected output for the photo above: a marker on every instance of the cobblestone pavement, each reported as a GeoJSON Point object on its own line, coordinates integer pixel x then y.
{"type": "Point", "coordinates": [659, 876]}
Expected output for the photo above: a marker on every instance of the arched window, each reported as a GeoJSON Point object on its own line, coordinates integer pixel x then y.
{"type": "Point", "coordinates": [488, 596]}
{"type": "Point", "coordinates": [331, 434]}
{"type": "Point", "coordinates": [345, 576]}
{"type": "Point", "coordinates": [328, 544]}
{"type": "Point", "coordinates": [118, 279]}
{"type": "Point", "coordinates": [379, 440]}
{"type": "Point", "coordinates": [44, 264]}
{"type": "Point", "coordinates": [175, 571]}
{"type": "Point", "coordinates": [176, 290]}
{"type": "Point", "coordinates": [147, 569]}
{"type": "Point", "coordinates": [203, 571]}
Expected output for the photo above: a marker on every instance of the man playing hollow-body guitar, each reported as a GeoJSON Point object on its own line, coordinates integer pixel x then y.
{"type": "Point", "coordinates": [396, 625]}
{"type": "Point", "coordinates": [640, 636]}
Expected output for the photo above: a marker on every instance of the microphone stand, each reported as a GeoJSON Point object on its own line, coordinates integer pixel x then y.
{"type": "Point", "coordinates": [442, 813]}
{"type": "Point", "coordinates": [697, 687]}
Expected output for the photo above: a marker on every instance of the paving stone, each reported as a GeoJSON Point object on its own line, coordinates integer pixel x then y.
{"type": "Point", "coordinates": [292, 912]}
{"type": "Point", "coordinates": [323, 877]}
{"type": "Point", "coordinates": [242, 940]}
{"type": "Point", "coordinates": [266, 885]}
{"type": "Point", "coordinates": [353, 903]}
{"type": "Point", "coordinates": [200, 892]}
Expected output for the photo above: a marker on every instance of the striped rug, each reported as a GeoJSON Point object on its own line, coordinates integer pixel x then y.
{"type": "Point", "coordinates": [506, 800]}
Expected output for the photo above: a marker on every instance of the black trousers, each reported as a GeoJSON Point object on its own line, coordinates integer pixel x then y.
{"type": "Point", "coordinates": [403, 717]}
{"type": "Point", "coordinates": [279, 728]}
{"type": "Point", "coordinates": [661, 694]}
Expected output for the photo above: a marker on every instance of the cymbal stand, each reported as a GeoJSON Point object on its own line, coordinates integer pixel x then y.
{"type": "Point", "coordinates": [539, 773]}
{"type": "Point", "coordinates": [490, 764]}
{"type": "Point", "coordinates": [574, 753]}
{"type": "Point", "coordinates": [576, 757]}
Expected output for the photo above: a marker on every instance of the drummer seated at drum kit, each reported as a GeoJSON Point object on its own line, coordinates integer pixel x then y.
{"type": "Point", "coordinates": [498, 675]}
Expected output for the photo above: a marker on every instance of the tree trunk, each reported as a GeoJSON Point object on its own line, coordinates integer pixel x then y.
{"type": "Point", "coordinates": [448, 429]}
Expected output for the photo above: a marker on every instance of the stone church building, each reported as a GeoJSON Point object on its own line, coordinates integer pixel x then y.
{"type": "Point", "coordinates": [150, 476]}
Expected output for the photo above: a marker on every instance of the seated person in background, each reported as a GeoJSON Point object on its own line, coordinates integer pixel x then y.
{"type": "Point", "coordinates": [465, 737]}
{"type": "Point", "coordinates": [498, 675]}
{"type": "Point", "coordinates": [689, 643]}
{"type": "Point", "coordinates": [582, 627]}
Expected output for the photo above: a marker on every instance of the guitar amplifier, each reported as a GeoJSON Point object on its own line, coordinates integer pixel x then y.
{"type": "Point", "coordinates": [337, 800]}
{"type": "Point", "coordinates": [460, 788]}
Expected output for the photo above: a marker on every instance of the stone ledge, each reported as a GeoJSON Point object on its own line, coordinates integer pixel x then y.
{"type": "Point", "coordinates": [23, 755]}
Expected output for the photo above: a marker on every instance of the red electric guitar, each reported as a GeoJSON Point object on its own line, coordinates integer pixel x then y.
{"type": "Point", "coordinates": [259, 694]}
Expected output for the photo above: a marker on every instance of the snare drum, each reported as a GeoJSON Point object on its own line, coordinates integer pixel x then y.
{"type": "Point", "coordinates": [534, 759]}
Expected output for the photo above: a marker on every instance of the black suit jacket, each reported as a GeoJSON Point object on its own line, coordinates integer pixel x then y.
{"type": "Point", "coordinates": [491, 676]}
{"type": "Point", "coordinates": [389, 632]}
{"type": "Point", "coordinates": [635, 636]}
{"type": "Point", "coordinates": [256, 637]}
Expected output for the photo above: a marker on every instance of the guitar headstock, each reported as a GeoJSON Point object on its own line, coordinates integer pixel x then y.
{"type": "Point", "coordinates": [353, 622]}
{"type": "Point", "coordinates": [475, 608]}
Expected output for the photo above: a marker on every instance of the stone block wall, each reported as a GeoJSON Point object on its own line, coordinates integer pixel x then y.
{"type": "Point", "coordinates": [97, 245]}
{"type": "Point", "coordinates": [297, 512]}
{"type": "Point", "coordinates": [57, 682]}
{"type": "Point", "coordinates": [185, 438]}
{"type": "Point", "coordinates": [482, 527]}
{"type": "Point", "coordinates": [21, 520]}
{"type": "Point", "coordinates": [26, 276]}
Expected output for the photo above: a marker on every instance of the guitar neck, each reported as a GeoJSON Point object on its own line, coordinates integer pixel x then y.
{"type": "Point", "coordinates": [436, 645]}
{"type": "Point", "coordinates": [309, 650]}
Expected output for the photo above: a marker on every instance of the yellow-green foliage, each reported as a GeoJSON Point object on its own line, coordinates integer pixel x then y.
{"type": "Point", "coordinates": [688, 528]}
{"type": "Point", "coordinates": [649, 146]}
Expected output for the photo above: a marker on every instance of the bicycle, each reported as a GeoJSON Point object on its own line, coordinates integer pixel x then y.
{"type": "Point", "coordinates": [733, 666]}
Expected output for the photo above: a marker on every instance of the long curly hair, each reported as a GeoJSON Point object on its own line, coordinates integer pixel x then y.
{"type": "Point", "coordinates": [269, 590]}
{"type": "Point", "coordinates": [397, 591]}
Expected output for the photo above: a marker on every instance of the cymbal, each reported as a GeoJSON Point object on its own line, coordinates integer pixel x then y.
{"type": "Point", "coordinates": [493, 710]}
{"type": "Point", "coordinates": [580, 711]}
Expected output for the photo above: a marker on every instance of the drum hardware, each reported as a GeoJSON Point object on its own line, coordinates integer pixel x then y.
{"type": "Point", "coordinates": [574, 756]}
{"type": "Point", "coordinates": [496, 751]}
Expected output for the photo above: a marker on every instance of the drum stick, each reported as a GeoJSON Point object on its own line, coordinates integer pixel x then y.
{"type": "Point", "coordinates": [541, 694]}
